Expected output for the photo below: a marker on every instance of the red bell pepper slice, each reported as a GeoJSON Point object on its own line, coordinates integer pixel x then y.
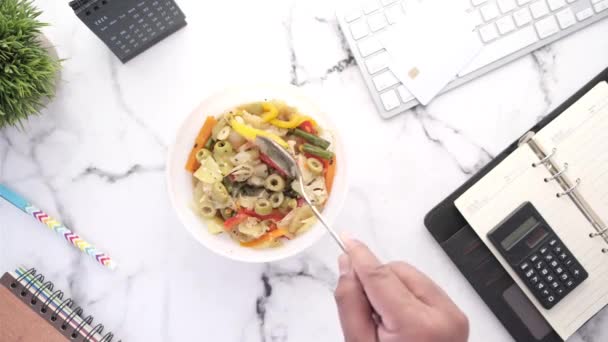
{"type": "Point", "coordinates": [268, 161]}
{"type": "Point", "coordinates": [307, 127]}
{"type": "Point", "coordinates": [234, 221]}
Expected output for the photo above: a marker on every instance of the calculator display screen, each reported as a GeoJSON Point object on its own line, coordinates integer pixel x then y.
{"type": "Point", "coordinates": [522, 231]}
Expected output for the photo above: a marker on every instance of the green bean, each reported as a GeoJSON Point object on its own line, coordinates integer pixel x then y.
{"type": "Point", "coordinates": [311, 138]}
{"type": "Point", "coordinates": [222, 148]}
{"type": "Point", "coordinates": [274, 183]}
{"type": "Point", "coordinates": [314, 165]}
{"type": "Point", "coordinates": [209, 144]}
{"type": "Point", "coordinates": [263, 207]}
{"type": "Point", "coordinates": [316, 151]}
{"type": "Point", "coordinates": [276, 199]}
{"type": "Point", "coordinates": [202, 154]}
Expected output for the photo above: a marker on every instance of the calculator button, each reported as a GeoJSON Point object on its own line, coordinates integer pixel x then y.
{"type": "Point", "coordinates": [576, 272]}
{"type": "Point", "coordinates": [549, 257]}
{"type": "Point", "coordinates": [551, 299]}
{"type": "Point", "coordinates": [540, 286]}
{"type": "Point", "coordinates": [524, 266]}
{"type": "Point", "coordinates": [543, 250]}
{"type": "Point", "coordinates": [545, 293]}
{"type": "Point", "coordinates": [568, 262]}
{"type": "Point", "coordinates": [570, 284]}
{"type": "Point", "coordinates": [562, 256]}
{"type": "Point", "coordinates": [534, 258]}
{"type": "Point", "coordinates": [529, 273]}
{"type": "Point", "coordinates": [564, 277]}
{"type": "Point", "coordinates": [554, 263]}
{"type": "Point", "coordinates": [557, 250]}
{"type": "Point", "coordinates": [534, 280]}
{"type": "Point", "coordinates": [559, 270]}
{"type": "Point", "coordinates": [549, 278]}
{"type": "Point", "coordinates": [560, 291]}
{"type": "Point", "coordinates": [544, 272]}
{"type": "Point", "coordinates": [540, 265]}
{"type": "Point", "coordinates": [554, 285]}
{"type": "Point", "coordinates": [553, 242]}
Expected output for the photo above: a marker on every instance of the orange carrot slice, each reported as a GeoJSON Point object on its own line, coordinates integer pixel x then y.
{"type": "Point", "coordinates": [201, 139]}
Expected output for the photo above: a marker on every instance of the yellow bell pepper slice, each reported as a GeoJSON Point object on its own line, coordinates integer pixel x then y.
{"type": "Point", "coordinates": [250, 133]}
{"type": "Point", "coordinates": [295, 121]}
{"type": "Point", "coordinates": [270, 112]}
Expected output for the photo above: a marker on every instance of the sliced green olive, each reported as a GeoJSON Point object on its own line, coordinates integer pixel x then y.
{"type": "Point", "coordinates": [263, 207]}
{"type": "Point", "coordinates": [274, 183]}
{"type": "Point", "coordinates": [276, 199]}
{"type": "Point", "coordinates": [314, 165]}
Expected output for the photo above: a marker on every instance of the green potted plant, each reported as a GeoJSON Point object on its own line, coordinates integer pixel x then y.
{"type": "Point", "coordinates": [28, 65]}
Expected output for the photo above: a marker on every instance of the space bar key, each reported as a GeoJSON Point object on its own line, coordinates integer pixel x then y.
{"type": "Point", "coordinates": [501, 48]}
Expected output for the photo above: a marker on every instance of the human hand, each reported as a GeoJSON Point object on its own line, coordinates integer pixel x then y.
{"type": "Point", "coordinates": [393, 302]}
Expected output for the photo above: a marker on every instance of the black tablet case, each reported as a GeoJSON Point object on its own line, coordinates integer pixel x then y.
{"type": "Point", "coordinates": [474, 259]}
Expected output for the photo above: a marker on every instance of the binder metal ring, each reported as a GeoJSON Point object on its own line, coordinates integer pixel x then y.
{"type": "Point", "coordinates": [601, 232]}
{"type": "Point", "coordinates": [569, 191]}
{"type": "Point", "coordinates": [546, 159]}
{"type": "Point", "coordinates": [71, 317]}
{"type": "Point", "coordinates": [31, 282]}
{"type": "Point", "coordinates": [47, 285]}
{"type": "Point", "coordinates": [558, 174]}
{"type": "Point", "coordinates": [98, 329]}
{"type": "Point", "coordinates": [21, 277]}
{"type": "Point", "coordinates": [87, 321]}
{"type": "Point", "coordinates": [107, 337]}
{"type": "Point", "coordinates": [57, 294]}
{"type": "Point", "coordinates": [66, 304]}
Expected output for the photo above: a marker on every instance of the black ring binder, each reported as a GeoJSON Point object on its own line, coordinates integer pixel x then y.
{"type": "Point", "coordinates": [40, 306]}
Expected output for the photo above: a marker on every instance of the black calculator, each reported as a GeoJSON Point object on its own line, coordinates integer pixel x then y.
{"type": "Point", "coordinates": [129, 27]}
{"type": "Point", "coordinates": [537, 255]}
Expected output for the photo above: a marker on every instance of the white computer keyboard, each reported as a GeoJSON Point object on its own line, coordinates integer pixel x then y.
{"type": "Point", "coordinates": [509, 29]}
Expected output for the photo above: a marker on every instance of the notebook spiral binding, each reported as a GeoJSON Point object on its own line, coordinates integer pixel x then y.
{"type": "Point", "coordinates": [569, 188]}
{"type": "Point", "coordinates": [42, 307]}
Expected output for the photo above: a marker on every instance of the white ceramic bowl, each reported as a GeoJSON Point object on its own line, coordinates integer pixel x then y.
{"type": "Point", "coordinates": [180, 183]}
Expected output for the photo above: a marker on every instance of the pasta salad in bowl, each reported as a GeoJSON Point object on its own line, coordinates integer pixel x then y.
{"type": "Point", "coordinates": [236, 200]}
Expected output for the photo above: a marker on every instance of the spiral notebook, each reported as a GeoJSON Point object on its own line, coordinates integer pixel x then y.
{"type": "Point", "coordinates": [31, 310]}
{"type": "Point", "coordinates": [563, 171]}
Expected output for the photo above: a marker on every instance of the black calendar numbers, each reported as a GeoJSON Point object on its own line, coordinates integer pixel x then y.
{"type": "Point", "coordinates": [129, 27]}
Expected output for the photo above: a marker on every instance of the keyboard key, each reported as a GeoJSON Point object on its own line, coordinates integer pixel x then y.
{"type": "Point", "coordinates": [506, 5]}
{"type": "Point", "coordinates": [584, 14]}
{"type": "Point", "coordinates": [523, 2]}
{"type": "Point", "coordinates": [601, 6]}
{"type": "Point", "coordinates": [556, 4]}
{"type": "Point", "coordinates": [369, 45]}
{"type": "Point", "coordinates": [377, 21]}
{"type": "Point", "coordinates": [385, 80]}
{"type": "Point", "coordinates": [500, 48]}
{"type": "Point", "coordinates": [359, 29]}
{"type": "Point", "coordinates": [505, 25]}
{"type": "Point", "coordinates": [390, 100]}
{"type": "Point", "coordinates": [352, 15]}
{"type": "Point", "coordinates": [377, 62]}
{"type": "Point", "coordinates": [488, 33]}
{"type": "Point", "coordinates": [394, 14]}
{"type": "Point", "coordinates": [370, 6]}
{"type": "Point", "coordinates": [388, 2]}
{"type": "Point", "coordinates": [489, 11]}
{"type": "Point", "coordinates": [522, 16]}
{"type": "Point", "coordinates": [476, 18]}
{"type": "Point", "coordinates": [478, 2]}
{"type": "Point", "coordinates": [539, 9]}
{"type": "Point", "coordinates": [404, 93]}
